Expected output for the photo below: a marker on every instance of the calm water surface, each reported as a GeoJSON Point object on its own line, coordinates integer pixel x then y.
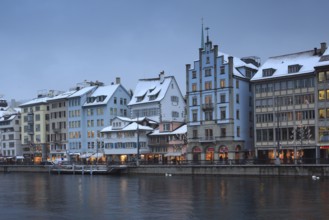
{"type": "Point", "coordinates": [46, 196]}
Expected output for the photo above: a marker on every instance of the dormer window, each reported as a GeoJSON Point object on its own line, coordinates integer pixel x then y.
{"type": "Point", "coordinates": [294, 68]}
{"type": "Point", "coordinates": [101, 98]}
{"type": "Point", "coordinates": [268, 72]}
{"type": "Point", "coordinates": [140, 98]}
{"type": "Point", "coordinates": [90, 99]}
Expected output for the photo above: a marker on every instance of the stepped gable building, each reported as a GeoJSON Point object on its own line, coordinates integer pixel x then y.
{"type": "Point", "coordinates": [219, 105]}
{"type": "Point", "coordinates": [286, 103]}
{"type": "Point", "coordinates": [159, 99]}
{"type": "Point", "coordinates": [10, 138]}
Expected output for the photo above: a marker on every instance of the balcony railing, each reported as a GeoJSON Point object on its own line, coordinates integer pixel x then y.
{"type": "Point", "coordinates": [208, 106]}
{"type": "Point", "coordinates": [207, 139]}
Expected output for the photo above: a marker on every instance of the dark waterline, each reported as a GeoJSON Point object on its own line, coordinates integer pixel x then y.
{"type": "Point", "coordinates": [44, 196]}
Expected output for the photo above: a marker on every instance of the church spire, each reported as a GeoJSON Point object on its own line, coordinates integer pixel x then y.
{"type": "Point", "coordinates": [202, 35]}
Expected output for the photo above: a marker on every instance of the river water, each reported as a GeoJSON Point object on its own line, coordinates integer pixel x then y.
{"type": "Point", "coordinates": [49, 196]}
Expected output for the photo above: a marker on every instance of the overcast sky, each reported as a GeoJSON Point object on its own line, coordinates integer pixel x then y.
{"type": "Point", "coordinates": [56, 44]}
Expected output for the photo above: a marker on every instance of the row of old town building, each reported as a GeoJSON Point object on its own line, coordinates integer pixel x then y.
{"type": "Point", "coordinates": [233, 109]}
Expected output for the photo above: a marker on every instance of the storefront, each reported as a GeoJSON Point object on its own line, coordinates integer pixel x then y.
{"type": "Point", "coordinates": [196, 154]}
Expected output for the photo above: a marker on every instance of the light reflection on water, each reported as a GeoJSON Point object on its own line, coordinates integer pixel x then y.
{"type": "Point", "coordinates": [44, 196]}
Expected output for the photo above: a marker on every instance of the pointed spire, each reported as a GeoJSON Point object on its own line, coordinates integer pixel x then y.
{"type": "Point", "coordinates": [202, 35]}
{"type": "Point", "coordinates": [207, 29]}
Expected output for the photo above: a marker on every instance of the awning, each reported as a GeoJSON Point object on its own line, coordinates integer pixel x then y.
{"type": "Point", "coordinates": [72, 154]}
{"type": "Point", "coordinates": [98, 155]}
{"type": "Point", "coordinates": [19, 157]}
{"type": "Point", "coordinates": [173, 154]}
{"type": "Point", "coordinates": [87, 155]}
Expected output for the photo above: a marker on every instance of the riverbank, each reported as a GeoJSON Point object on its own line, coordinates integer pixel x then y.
{"type": "Point", "coordinates": [233, 170]}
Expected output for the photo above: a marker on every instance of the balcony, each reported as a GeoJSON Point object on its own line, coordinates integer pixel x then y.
{"type": "Point", "coordinates": [57, 130]}
{"type": "Point", "coordinates": [207, 106]}
{"type": "Point", "coordinates": [207, 139]}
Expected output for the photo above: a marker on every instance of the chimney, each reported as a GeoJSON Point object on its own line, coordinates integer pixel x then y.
{"type": "Point", "coordinates": [323, 47]}
{"type": "Point", "coordinates": [315, 51]}
{"type": "Point", "coordinates": [161, 76]}
{"type": "Point", "coordinates": [117, 80]}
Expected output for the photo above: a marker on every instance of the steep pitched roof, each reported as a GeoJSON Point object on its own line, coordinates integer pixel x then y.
{"type": "Point", "coordinates": [150, 90]}
{"type": "Point", "coordinates": [105, 91]}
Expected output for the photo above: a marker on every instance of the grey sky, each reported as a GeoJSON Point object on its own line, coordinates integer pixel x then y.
{"type": "Point", "coordinates": [55, 44]}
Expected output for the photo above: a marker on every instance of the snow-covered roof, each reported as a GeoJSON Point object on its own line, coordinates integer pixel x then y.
{"type": "Point", "coordinates": [180, 130]}
{"type": "Point", "coordinates": [62, 95]}
{"type": "Point", "coordinates": [35, 101]}
{"type": "Point", "coordinates": [106, 91]}
{"type": "Point", "coordinates": [324, 61]}
{"type": "Point", "coordinates": [82, 91]}
{"type": "Point", "coordinates": [237, 62]}
{"type": "Point", "coordinates": [304, 60]}
{"type": "Point", "coordinates": [131, 127]}
{"type": "Point", "coordinates": [150, 90]}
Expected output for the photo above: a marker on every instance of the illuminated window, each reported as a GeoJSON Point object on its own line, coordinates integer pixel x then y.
{"type": "Point", "coordinates": [322, 113]}
{"type": "Point", "coordinates": [322, 95]}
{"type": "Point", "coordinates": [194, 87]}
{"type": "Point", "coordinates": [222, 83]}
{"type": "Point", "coordinates": [321, 77]}
{"type": "Point", "coordinates": [208, 85]}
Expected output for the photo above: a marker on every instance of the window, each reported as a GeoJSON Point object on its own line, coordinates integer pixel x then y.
{"type": "Point", "coordinates": [194, 115]}
{"type": "Point", "coordinates": [193, 74]}
{"type": "Point", "coordinates": [100, 111]}
{"type": "Point", "coordinates": [268, 72]}
{"type": "Point", "coordinates": [238, 131]}
{"type": "Point", "coordinates": [208, 134]}
{"type": "Point", "coordinates": [222, 113]}
{"type": "Point", "coordinates": [175, 114]}
{"type": "Point", "coordinates": [166, 127]}
{"type": "Point", "coordinates": [322, 113]}
{"type": "Point", "coordinates": [115, 100]}
{"type": "Point", "coordinates": [208, 99]}
{"type": "Point", "coordinates": [208, 85]}
{"type": "Point", "coordinates": [237, 98]}
{"type": "Point", "coordinates": [174, 99]}
{"type": "Point", "coordinates": [37, 117]}
{"type": "Point", "coordinates": [222, 83]}
{"type": "Point", "coordinates": [207, 60]}
{"type": "Point", "coordinates": [223, 132]}
{"type": "Point", "coordinates": [322, 95]}
{"type": "Point", "coordinates": [294, 68]}
{"type": "Point", "coordinates": [222, 98]}
{"type": "Point", "coordinates": [195, 134]}
{"type": "Point", "coordinates": [237, 114]}
{"type": "Point", "coordinates": [207, 72]}
{"type": "Point", "coordinates": [194, 101]}
{"type": "Point", "coordinates": [237, 83]}
{"type": "Point", "coordinates": [37, 127]}
{"type": "Point", "coordinates": [222, 70]}
{"type": "Point", "coordinates": [194, 87]}
{"type": "Point", "coordinates": [208, 115]}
